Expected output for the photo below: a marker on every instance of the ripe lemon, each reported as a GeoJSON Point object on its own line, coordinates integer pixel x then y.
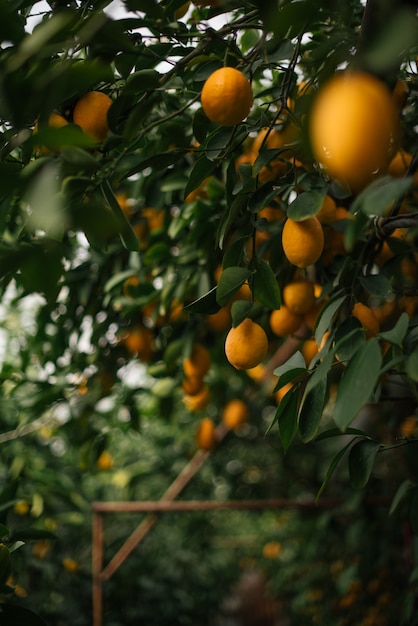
{"type": "Point", "coordinates": [399, 164]}
{"type": "Point", "coordinates": [367, 318]}
{"type": "Point", "coordinates": [299, 296]}
{"type": "Point", "coordinates": [198, 400]}
{"type": "Point", "coordinates": [205, 436]}
{"type": "Point", "coordinates": [54, 121]}
{"type": "Point", "coordinates": [198, 362]}
{"type": "Point", "coordinates": [235, 413]}
{"type": "Point", "coordinates": [192, 385]}
{"type": "Point", "coordinates": [139, 342]}
{"type": "Point", "coordinates": [105, 461]}
{"type": "Point", "coordinates": [70, 565]}
{"type": "Point", "coordinates": [90, 113]}
{"type": "Point", "coordinates": [303, 242]}
{"type": "Point", "coordinates": [280, 393]}
{"type": "Point", "coordinates": [327, 214]}
{"type": "Point", "coordinates": [353, 122]}
{"type": "Point", "coordinates": [22, 507]}
{"type": "Point", "coordinates": [309, 350]}
{"type": "Point", "coordinates": [246, 345]}
{"type": "Point", "coordinates": [284, 322]}
{"type": "Point", "coordinates": [227, 96]}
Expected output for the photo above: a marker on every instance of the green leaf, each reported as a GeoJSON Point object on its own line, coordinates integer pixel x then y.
{"type": "Point", "coordinates": [79, 158]}
{"type": "Point", "coordinates": [321, 370]}
{"type": "Point", "coordinates": [305, 205]}
{"type": "Point", "coordinates": [202, 169]}
{"type": "Point", "coordinates": [143, 80]}
{"type": "Point", "coordinates": [239, 311]}
{"type": "Point", "coordinates": [201, 126]}
{"type": "Point", "coordinates": [336, 432]}
{"type": "Point", "coordinates": [287, 418]}
{"type": "Point", "coordinates": [206, 304]}
{"type": "Point", "coordinates": [377, 285]}
{"type": "Point", "coordinates": [357, 383]}
{"type": "Point", "coordinates": [361, 460]}
{"type": "Point", "coordinates": [326, 316]}
{"type": "Point", "coordinates": [331, 469]}
{"type": "Point", "coordinates": [411, 365]}
{"type": "Point", "coordinates": [310, 412]}
{"type": "Point", "coordinates": [231, 279]}
{"type": "Point", "coordinates": [349, 338]}
{"type": "Point", "coordinates": [229, 217]}
{"type": "Point", "coordinates": [401, 495]}
{"type": "Point", "coordinates": [265, 286]}
{"type": "Point", "coordinates": [381, 194]}
{"type": "Point", "coordinates": [126, 232]}
{"type": "Point", "coordinates": [397, 334]}
{"type": "Point", "coordinates": [295, 363]}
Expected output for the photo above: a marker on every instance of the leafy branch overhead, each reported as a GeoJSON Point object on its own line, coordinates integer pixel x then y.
{"type": "Point", "coordinates": [206, 202]}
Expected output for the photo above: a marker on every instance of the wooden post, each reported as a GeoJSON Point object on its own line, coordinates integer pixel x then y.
{"type": "Point", "coordinates": [97, 564]}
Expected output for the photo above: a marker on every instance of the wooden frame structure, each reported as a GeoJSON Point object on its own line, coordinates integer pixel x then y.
{"type": "Point", "coordinates": [102, 572]}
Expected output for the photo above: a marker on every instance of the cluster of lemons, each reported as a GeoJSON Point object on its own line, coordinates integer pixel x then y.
{"type": "Point", "coordinates": [90, 113]}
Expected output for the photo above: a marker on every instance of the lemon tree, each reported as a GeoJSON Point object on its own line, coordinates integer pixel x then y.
{"type": "Point", "coordinates": [173, 174]}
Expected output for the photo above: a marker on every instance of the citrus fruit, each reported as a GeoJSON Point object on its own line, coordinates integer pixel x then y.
{"type": "Point", "coordinates": [246, 345]}
{"type": "Point", "coordinates": [198, 362]}
{"type": "Point", "coordinates": [235, 413]}
{"type": "Point", "coordinates": [399, 164]}
{"type": "Point", "coordinates": [221, 320]}
{"type": "Point", "coordinates": [90, 113]}
{"type": "Point", "coordinates": [280, 393]}
{"type": "Point", "coordinates": [328, 211]}
{"type": "Point", "coordinates": [227, 96]}
{"type": "Point", "coordinates": [70, 565]}
{"type": "Point", "coordinates": [181, 11]}
{"type": "Point", "coordinates": [367, 318]}
{"type": "Point", "coordinates": [400, 93]}
{"type": "Point", "coordinates": [54, 121]}
{"type": "Point", "coordinates": [303, 242]}
{"type": "Point", "coordinates": [138, 342]}
{"type": "Point", "coordinates": [105, 461]}
{"type": "Point", "coordinates": [352, 124]}
{"type": "Point", "coordinates": [272, 550]}
{"type": "Point", "coordinates": [284, 322]}
{"type": "Point", "coordinates": [299, 296]}
{"type": "Point", "coordinates": [309, 350]}
{"type": "Point", "coordinates": [22, 507]}
{"type": "Point", "coordinates": [205, 436]}
{"type": "Point", "coordinates": [192, 385]}
{"type": "Point", "coordinates": [198, 400]}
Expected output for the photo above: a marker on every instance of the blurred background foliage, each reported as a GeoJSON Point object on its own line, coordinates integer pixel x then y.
{"type": "Point", "coordinates": [101, 248]}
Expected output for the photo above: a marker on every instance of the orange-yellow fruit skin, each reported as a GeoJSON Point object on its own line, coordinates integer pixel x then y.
{"type": "Point", "coordinates": [284, 322]}
{"type": "Point", "coordinates": [90, 113]}
{"type": "Point", "coordinates": [303, 242]}
{"type": "Point", "coordinates": [227, 96]}
{"type": "Point", "coordinates": [191, 386]}
{"type": "Point", "coordinates": [246, 345]}
{"type": "Point", "coordinates": [299, 296]}
{"type": "Point", "coordinates": [198, 400]}
{"type": "Point", "coordinates": [367, 319]}
{"type": "Point", "coordinates": [198, 362]}
{"type": "Point", "coordinates": [205, 437]}
{"type": "Point", "coordinates": [352, 124]}
{"type": "Point", "coordinates": [105, 461]}
{"type": "Point", "coordinates": [327, 214]}
{"type": "Point", "coordinates": [235, 413]}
